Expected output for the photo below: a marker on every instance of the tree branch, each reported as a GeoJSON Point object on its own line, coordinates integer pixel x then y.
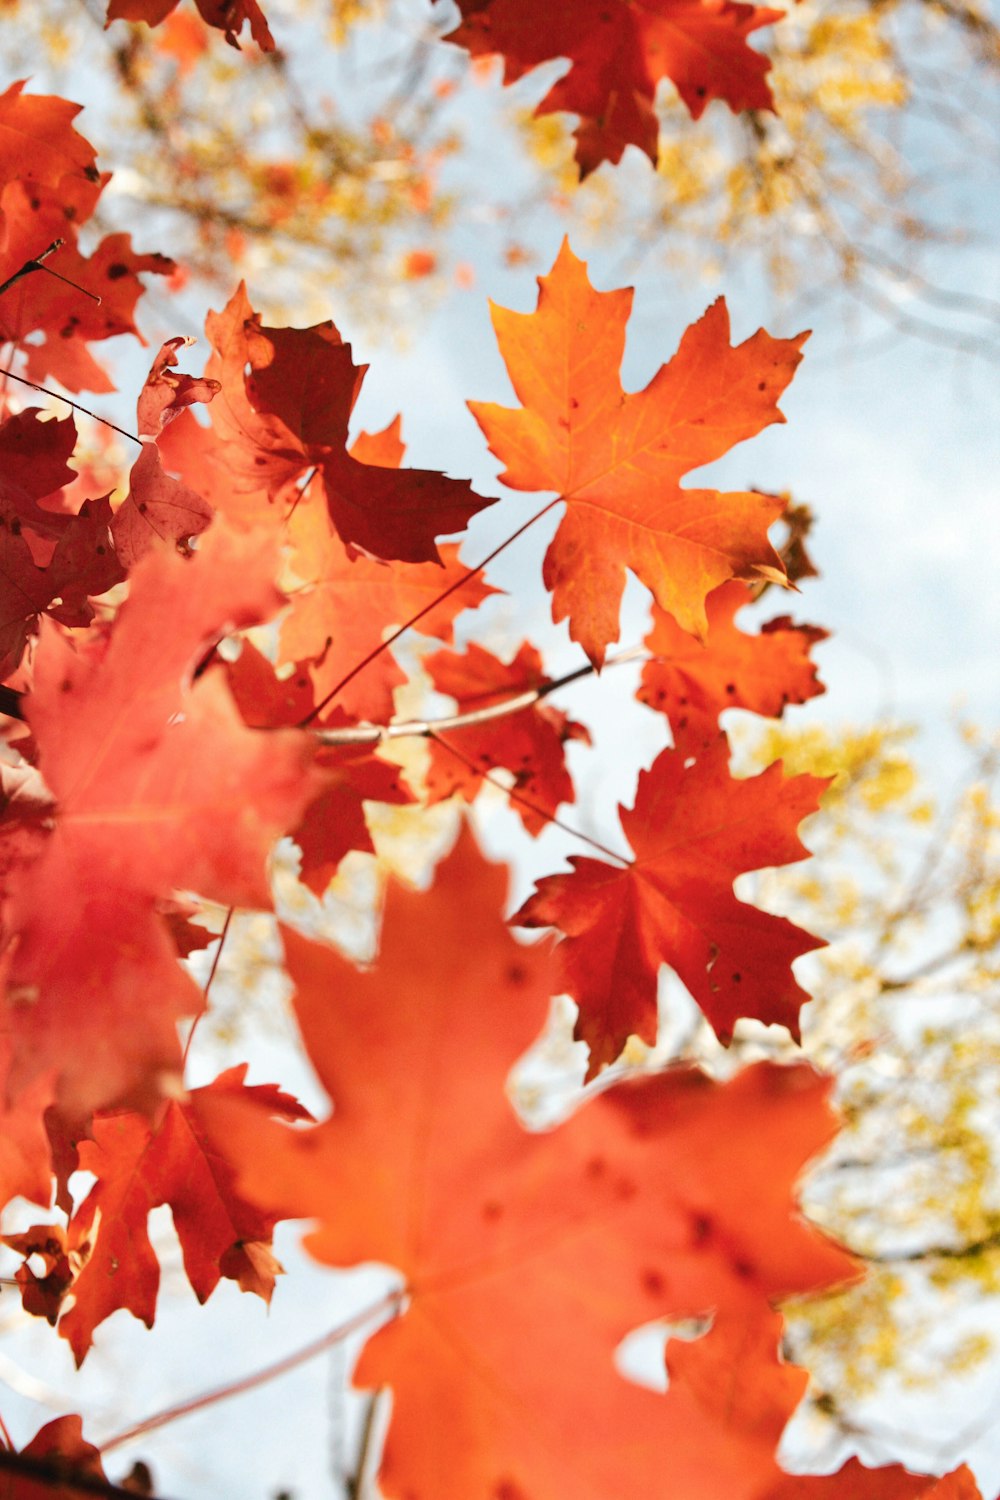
{"type": "Point", "coordinates": [376, 734]}
{"type": "Point", "coordinates": [390, 1303]}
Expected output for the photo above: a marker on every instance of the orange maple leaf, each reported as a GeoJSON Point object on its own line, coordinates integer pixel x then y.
{"type": "Point", "coordinates": [616, 459]}
{"type": "Point", "coordinates": [619, 51]}
{"type": "Point", "coordinates": [527, 1258]}
{"type": "Point", "coordinates": [158, 785]}
{"type": "Point", "coordinates": [692, 681]}
{"type": "Point", "coordinates": [693, 828]}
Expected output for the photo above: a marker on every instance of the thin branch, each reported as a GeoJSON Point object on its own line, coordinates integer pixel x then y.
{"type": "Point", "coordinates": [390, 1303]}
{"type": "Point", "coordinates": [231, 912]}
{"type": "Point", "coordinates": [516, 796]}
{"type": "Point", "coordinates": [376, 734]}
{"type": "Point", "coordinates": [22, 380]}
{"type": "Point", "coordinates": [36, 265]}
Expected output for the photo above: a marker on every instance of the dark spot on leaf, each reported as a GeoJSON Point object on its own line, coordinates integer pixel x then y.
{"type": "Point", "coordinates": [743, 1269]}
{"type": "Point", "coordinates": [653, 1282]}
{"type": "Point", "coordinates": [65, 686]}
{"type": "Point", "coordinates": [516, 973]}
{"type": "Point", "coordinates": [737, 978]}
{"type": "Point", "coordinates": [701, 1228]}
{"type": "Point", "coordinates": [730, 687]}
{"type": "Point", "coordinates": [117, 271]}
{"type": "Point", "coordinates": [596, 1167]}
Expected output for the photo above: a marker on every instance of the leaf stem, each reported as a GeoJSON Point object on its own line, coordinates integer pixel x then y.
{"type": "Point", "coordinates": [534, 807]}
{"type": "Point", "coordinates": [390, 1303]}
{"type": "Point", "coordinates": [445, 594]}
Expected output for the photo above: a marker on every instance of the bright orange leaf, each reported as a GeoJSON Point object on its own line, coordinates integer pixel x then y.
{"type": "Point", "coordinates": [616, 460]}
{"type": "Point", "coordinates": [527, 1258]}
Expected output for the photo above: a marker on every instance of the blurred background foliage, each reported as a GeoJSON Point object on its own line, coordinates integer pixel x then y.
{"type": "Point", "coordinates": [358, 147]}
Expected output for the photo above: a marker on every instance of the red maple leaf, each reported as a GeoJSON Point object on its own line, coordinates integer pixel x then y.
{"type": "Point", "coordinates": [158, 785]}
{"type": "Point", "coordinates": [530, 744]}
{"type": "Point", "coordinates": [693, 828]}
{"type": "Point", "coordinates": [138, 1166]}
{"type": "Point", "coordinates": [619, 51]}
{"type": "Point", "coordinates": [693, 681]}
{"type": "Point", "coordinates": [527, 1258]}
{"type": "Point", "coordinates": [227, 16]}
{"type": "Point", "coordinates": [61, 310]}
{"type": "Point", "coordinates": [334, 822]}
{"type": "Point", "coordinates": [158, 509]}
{"type": "Point", "coordinates": [616, 459]}
{"type": "Point", "coordinates": [167, 391]}
{"type": "Point", "coordinates": [290, 414]}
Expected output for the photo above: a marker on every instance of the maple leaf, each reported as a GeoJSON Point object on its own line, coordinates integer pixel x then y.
{"type": "Point", "coordinates": [693, 829]}
{"type": "Point", "coordinates": [159, 785]}
{"type": "Point", "coordinates": [530, 744]}
{"type": "Point", "coordinates": [138, 1167]}
{"type": "Point", "coordinates": [39, 145]}
{"type": "Point", "coordinates": [58, 1464]}
{"type": "Point", "coordinates": [157, 509]}
{"type": "Point", "coordinates": [334, 822]}
{"type": "Point", "coordinates": [692, 682]}
{"type": "Point", "coordinates": [83, 564]}
{"type": "Point", "coordinates": [619, 51]}
{"type": "Point", "coordinates": [61, 310]}
{"type": "Point", "coordinates": [350, 602]}
{"type": "Point", "coordinates": [290, 414]}
{"type": "Point", "coordinates": [167, 391]}
{"type": "Point", "coordinates": [616, 459]}
{"type": "Point", "coordinates": [527, 1258]}
{"type": "Point", "coordinates": [34, 456]}
{"type": "Point", "coordinates": [227, 16]}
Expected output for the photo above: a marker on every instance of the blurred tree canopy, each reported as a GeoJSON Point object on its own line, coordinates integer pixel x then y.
{"type": "Point", "coordinates": [356, 144]}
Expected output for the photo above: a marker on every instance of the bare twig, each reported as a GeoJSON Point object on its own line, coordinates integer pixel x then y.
{"type": "Point", "coordinates": [36, 265]}
{"type": "Point", "coordinates": [390, 1304]}
{"type": "Point", "coordinates": [376, 734]}
{"type": "Point", "coordinates": [23, 380]}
